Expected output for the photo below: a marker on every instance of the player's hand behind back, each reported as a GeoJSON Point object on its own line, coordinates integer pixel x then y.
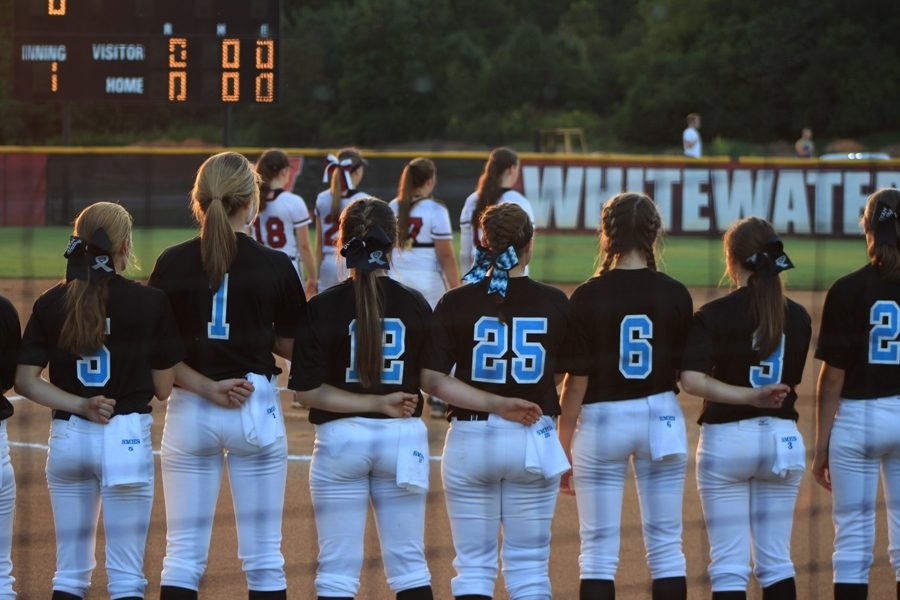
{"type": "Point", "coordinates": [520, 411]}
{"type": "Point", "coordinates": [770, 396]}
{"type": "Point", "coordinates": [399, 404]}
{"type": "Point", "coordinates": [230, 393]}
{"type": "Point", "coordinates": [98, 409]}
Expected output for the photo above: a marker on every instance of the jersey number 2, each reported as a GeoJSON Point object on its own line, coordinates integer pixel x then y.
{"type": "Point", "coordinates": [635, 350]}
{"type": "Point", "coordinates": [492, 335]}
{"type": "Point", "coordinates": [884, 348]}
{"type": "Point", "coordinates": [769, 371]}
{"type": "Point", "coordinates": [394, 345]}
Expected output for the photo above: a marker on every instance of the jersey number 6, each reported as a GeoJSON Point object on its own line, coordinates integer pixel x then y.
{"type": "Point", "coordinates": [635, 350]}
{"type": "Point", "coordinates": [492, 335]}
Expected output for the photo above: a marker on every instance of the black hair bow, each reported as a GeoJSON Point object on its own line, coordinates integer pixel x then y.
{"type": "Point", "coordinates": [369, 252]}
{"type": "Point", "coordinates": [885, 224]}
{"type": "Point", "coordinates": [770, 261]}
{"type": "Point", "coordinates": [89, 260]}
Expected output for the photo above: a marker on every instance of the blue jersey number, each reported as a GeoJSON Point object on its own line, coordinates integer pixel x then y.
{"type": "Point", "coordinates": [217, 328]}
{"type": "Point", "coordinates": [769, 371]}
{"type": "Point", "coordinates": [492, 335]}
{"type": "Point", "coordinates": [393, 347]}
{"type": "Point", "coordinates": [93, 370]}
{"type": "Point", "coordinates": [635, 350]}
{"type": "Point", "coordinates": [884, 349]}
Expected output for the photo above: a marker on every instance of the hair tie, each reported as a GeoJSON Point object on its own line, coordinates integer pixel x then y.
{"type": "Point", "coordinates": [884, 224]}
{"type": "Point", "coordinates": [343, 165]}
{"type": "Point", "coordinates": [369, 252]}
{"type": "Point", "coordinates": [89, 260]}
{"type": "Point", "coordinates": [499, 266]}
{"type": "Point", "coordinates": [771, 261]}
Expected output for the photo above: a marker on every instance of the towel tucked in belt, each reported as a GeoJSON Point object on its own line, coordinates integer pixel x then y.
{"type": "Point", "coordinates": [790, 453]}
{"type": "Point", "coordinates": [260, 414]}
{"type": "Point", "coordinates": [412, 455]}
{"type": "Point", "coordinates": [544, 455]}
{"type": "Point", "coordinates": [127, 454]}
{"type": "Point", "coordinates": [668, 436]}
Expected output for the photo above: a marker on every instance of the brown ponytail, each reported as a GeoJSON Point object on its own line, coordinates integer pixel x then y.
{"type": "Point", "coordinates": [767, 303]}
{"type": "Point", "coordinates": [416, 174]}
{"type": "Point", "coordinates": [884, 257]}
{"type": "Point", "coordinates": [356, 221]}
{"type": "Point", "coordinates": [226, 183]}
{"type": "Point", "coordinates": [630, 221]}
{"type": "Point", "coordinates": [268, 166]}
{"type": "Point", "coordinates": [84, 328]}
{"type": "Point", "coordinates": [337, 179]}
{"type": "Point", "coordinates": [489, 190]}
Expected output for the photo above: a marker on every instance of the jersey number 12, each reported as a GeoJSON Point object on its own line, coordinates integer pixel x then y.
{"type": "Point", "coordinates": [394, 345]}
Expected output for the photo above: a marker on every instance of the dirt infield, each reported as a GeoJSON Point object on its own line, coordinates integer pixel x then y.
{"type": "Point", "coordinates": [34, 546]}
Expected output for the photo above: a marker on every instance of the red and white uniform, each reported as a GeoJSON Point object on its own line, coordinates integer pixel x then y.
{"type": "Point", "coordinates": [274, 228]}
{"type": "Point", "coordinates": [418, 266]}
{"type": "Point", "coordinates": [470, 233]}
{"type": "Point", "coordinates": [332, 269]}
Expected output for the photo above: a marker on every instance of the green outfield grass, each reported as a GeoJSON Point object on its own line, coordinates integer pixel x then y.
{"type": "Point", "coordinates": [558, 258]}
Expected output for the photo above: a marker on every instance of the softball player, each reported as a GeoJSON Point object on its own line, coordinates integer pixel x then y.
{"type": "Point", "coordinates": [745, 356]}
{"type": "Point", "coordinates": [344, 173]}
{"type": "Point", "coordinates": [501, 171]}
{"type": "Point", "coordinates": [632, 323]}
{"type": "Point", "coordinates": [10, 341]}
{"type": "Point", "coordinates": [498, 471]}
{"type": "Point", "coordinates": [355, 363]}
{"type": "Point", "coordinates": [283, 220]}
{"type": "Point", "coordinates": [235, 303]}
{"type": "Point", "coordinates": [111, 345]}
{"type": "Point", "coordinates": [858, 399]}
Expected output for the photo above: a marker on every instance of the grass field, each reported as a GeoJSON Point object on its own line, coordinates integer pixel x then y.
{"type": "Point", "coordinates": [559, 258]}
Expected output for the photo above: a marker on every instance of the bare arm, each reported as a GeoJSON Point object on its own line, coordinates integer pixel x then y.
{"type": "Point", "coordinates": [301, 234]}
{"type": "Point", "coordinates": [704, 386]}
{"type": "Point", "coordinates": [828, 395]}
{"type": "Point", "coordinates": [465, 248]}
{"type": "Point", "coordinates": [572, 396]}
{"type": "Point", "coordinates": [330, 398]}
{"type": "Point", "coordinates": [320, 255]}
{"type": "Point", "coordinates": [163, 380]}
{"type": "Point", "coordinates": [228, 393]}
{"type": "Point", "coordinates": [461, 394]}
{"type": "Point", "coordinates": [445, 256]}
{"type": "Point", "coordinates": [30, 384]}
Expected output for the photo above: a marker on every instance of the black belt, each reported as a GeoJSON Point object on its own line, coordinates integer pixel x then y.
{"type": "Point", "coordinates": [422, 245]}
{"type": "Point", "coordinates": [471, 417]}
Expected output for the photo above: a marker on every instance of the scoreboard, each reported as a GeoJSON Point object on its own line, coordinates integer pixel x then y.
{"type": "Point", "coordinates": [165, 51]}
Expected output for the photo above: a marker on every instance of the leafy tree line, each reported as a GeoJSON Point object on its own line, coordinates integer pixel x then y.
{"type": "Point", "coordinates": [486, 72]}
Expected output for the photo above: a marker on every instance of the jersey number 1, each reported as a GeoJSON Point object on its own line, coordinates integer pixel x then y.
{"type": "Point", "coordinates": [884, 348]}
{"type": "Point", "coordinates": [394, 345]}
{"type": "Point", "coordinates": [217, 328]}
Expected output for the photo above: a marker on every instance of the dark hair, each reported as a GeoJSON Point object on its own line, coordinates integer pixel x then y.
{"type": "Point", "coordinates": [356, 220]}
{"type": "Point", "coordinates": [489, 190]}
{"type": "Point", "coordinates": [225, 184]}
{"type": "Point", "coordinates": [629, 221]}
{"type": "Point", "coordinates": [767, 304]}
{"type": "Point", "coordinates": [885, 258]}
{"type": "Point", "coordinates": [337, 178]}
{"type": "Point", "coordinates": [506, 225]}
{"type": "Point", "coordinates": [416, 173]}
{"type": "Point", "coordinates": [268, 166]}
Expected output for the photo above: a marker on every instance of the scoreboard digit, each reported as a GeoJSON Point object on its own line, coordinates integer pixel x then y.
{"type": "Point", "coordinates": [175, 51]}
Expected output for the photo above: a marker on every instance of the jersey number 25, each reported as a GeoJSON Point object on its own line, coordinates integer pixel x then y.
{"type": "Point", "coordinates": [492, 335]}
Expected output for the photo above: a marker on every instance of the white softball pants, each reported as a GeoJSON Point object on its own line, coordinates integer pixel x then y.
{"type": "Point", "coordinates": [332, 271]}
{"type": "Point", "coordinates": [355, 462]}
{"type": "Point", "coordinates": [74, 476]}
{"type": "Point", "coordinates": [7, 514]}
{"type": "Point", "coordinates": [745, 504]}
{"type": "Point", "coordinates": [865, 439]}
{"type": "Point", "coordinates": [486, 485]}
{"type": "Point", "coordinates": [198, 439]}
{"type": "Point", "coordinates": [429, 283]}
{"type": "Point", "coordinates": [609, 434]}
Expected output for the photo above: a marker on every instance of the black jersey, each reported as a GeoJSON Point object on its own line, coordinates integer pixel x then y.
{"type": "Point", "coordinates": [10, 340]}
{"type": "Point", "coordinates": [631, 326]}
{"type": "Point", "coordinates": [720, 345]}
{"type": "Point", "coordinates": [511, 348]}
{"type": "Point", "coordinates": [861, 334]}
{"type": "Point", "coordinates": [141, 336]}
{"type": "Point", "coordinates": [324, 352]}
{"type": "Point", "coordinates": [231, 331]}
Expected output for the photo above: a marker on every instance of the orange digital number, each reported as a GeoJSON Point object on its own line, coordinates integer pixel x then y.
{"type": "Point", "coordinates": [265, 87]}
{"type": "Point", "coordinates": [178, 53]}
{"type": "Point", "coordinates": [231, 89]}
{"type": "Point", "coordinates": [265, 62]}
{"type": "Point", "coordinates": [231, 54]}
{"type": "Point", "coordinates": [177, 86]}
{"type": "Point", "coordinates": [54, 82]}
{"type": "Point", "coordinates": [56, 7]}
{"type": "Point", "coordinates": [265, 54]}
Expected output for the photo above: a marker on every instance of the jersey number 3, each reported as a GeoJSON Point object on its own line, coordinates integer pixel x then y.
{"type": "Point", "coordinates": [884, 348]}
{"type": "Point", "coordinates": [394, 345]}
{"type": "Point", "coordinates": [769, 371]}
{"type": "Point", "coordinates": [492, 335]}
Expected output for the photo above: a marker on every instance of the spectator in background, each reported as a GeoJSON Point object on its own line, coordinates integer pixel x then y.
{"type": "Point", "coordinates": [805, 147]}
{"type": "Point", "coordinates": [690, 139]}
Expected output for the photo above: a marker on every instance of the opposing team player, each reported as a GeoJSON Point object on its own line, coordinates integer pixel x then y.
{"type": "Point", "coordinates": [356, 362]}
{"type": "Point", "coordinates": [112, 345]}
{"type": "Point", "coordinates": [632, 322]}
{"type": "Point", "coordinates": [501, 171]}
{"type": "Point", "coordinates": [343, 173]}
{"type": "Point", "coordinates": [283, 220]}
{"type": "Point", "coordinates": [858, 399]}
{"type": "Point", "coordinates": [745, 356]}
{"type": "Point", "coordinates": [10, 341]}
{"type": "Point", "coordinates": [235, 303]}
{"type": "Point", "coordinates": [506, 334]}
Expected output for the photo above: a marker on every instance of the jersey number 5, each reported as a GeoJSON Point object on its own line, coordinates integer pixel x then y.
{"type": "Point", "coordinates": [93, 369]}
{"type": "Point", "coordinates": [769, 371]}
{"type": "Point", "coordinates": [884, 349]}
{"type": "Point", "coordinates": [635, 350]}
{"type": "Point", "coordinates": [492, 335]}
{"type": "Point", "coordinates": [394, 345]}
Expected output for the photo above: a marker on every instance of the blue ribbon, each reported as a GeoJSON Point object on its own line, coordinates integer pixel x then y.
{"type": "Point", "coordinates": [499, 266]}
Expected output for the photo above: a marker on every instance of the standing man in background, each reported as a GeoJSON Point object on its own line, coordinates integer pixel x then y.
{"type": "Point", "coordinates": [805, 147]}
{"type": "Point", "coordinates": [690, 139]}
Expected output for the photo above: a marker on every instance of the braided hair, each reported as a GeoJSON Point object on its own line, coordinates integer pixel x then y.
{"type": "Point", "coordinates": [629, 221]}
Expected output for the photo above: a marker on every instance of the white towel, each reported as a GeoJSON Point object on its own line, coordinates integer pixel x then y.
{"type": "Point", "coordinates": [544, 455]}
{"type": "Point", "coordinates": [668, 436]}
{"type": "Point", "coordinates": [260, 415]}
{"type": "Point", "coordinates": [127, 454]}
{"type": "Point", "coordinates": [412, 455]}
{"type": "Point", "coordinates": [790, 453]}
